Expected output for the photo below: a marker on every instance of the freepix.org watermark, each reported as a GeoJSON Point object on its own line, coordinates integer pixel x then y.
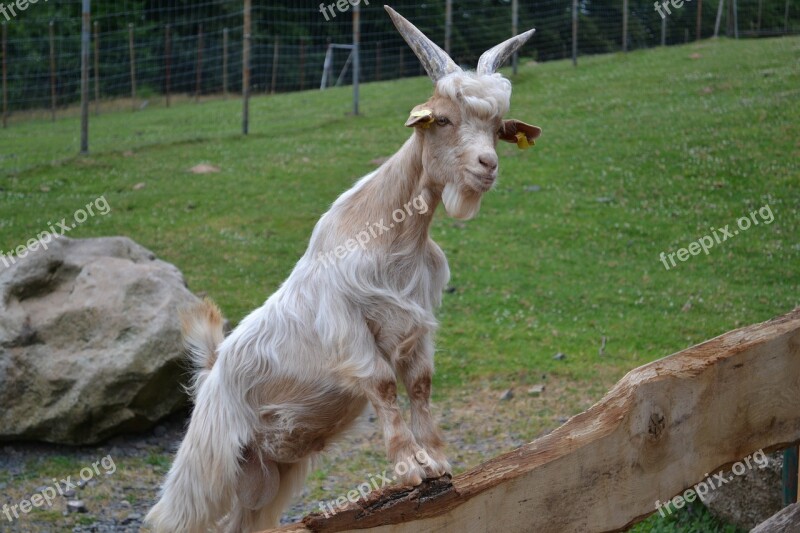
{"type": "Point", "coordinates": [718, 236]}
{"type": "Point", "coordinates": [55, 231]}
{"type": "Point", "coordinates": [374, 483]}
{"type": "Point", "coordinates": [417, 205]}
{"type": "Point", "coordinates": [700, 490]}
{"type": "Point", "coordinates": [45, 497]}
{"type": "Point", "coordinates": [15, 7]}
{"type": "Point", "coordinates": [340, 5]}
{"type": "Point", "coordinates": [677, 4]}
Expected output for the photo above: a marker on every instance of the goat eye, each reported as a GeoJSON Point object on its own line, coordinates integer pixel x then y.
{"type": "Point", "coordinates": [442, 121]}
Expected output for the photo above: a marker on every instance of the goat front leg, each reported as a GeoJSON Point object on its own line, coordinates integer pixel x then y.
{"type": "Point", "coordinates": [409, 458]}
{"type": "Point", "coordinates": [416, 371]}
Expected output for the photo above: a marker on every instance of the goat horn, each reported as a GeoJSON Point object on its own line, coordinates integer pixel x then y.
{"type": "Point", "coordinates": [493, 58]}
{"type": "Point", "coordinates": [435, 60]}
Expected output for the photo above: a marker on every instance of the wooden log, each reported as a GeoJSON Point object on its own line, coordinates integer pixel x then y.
{"type": "Point", "coordinates": [786, 521]}
{"type": "Point", "coordinates": [662, 428]}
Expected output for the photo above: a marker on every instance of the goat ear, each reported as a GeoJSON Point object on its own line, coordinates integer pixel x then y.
{"type": "Point", "coordinates": [515, 131]}
{"type": "Point", "coordinates": [420, 116]}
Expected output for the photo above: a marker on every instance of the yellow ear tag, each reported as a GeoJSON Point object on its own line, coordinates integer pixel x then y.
{"type": "Point", "coordinates": [522, 141]}
{"type": "Point", "coordinates": [427, 113]}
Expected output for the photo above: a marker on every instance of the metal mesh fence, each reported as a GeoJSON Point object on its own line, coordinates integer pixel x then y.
{"type": "Point", "coordinates": [147, 50]}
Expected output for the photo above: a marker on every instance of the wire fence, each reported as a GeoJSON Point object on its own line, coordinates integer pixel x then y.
{"type": "Point", "coordinates": [146, 50]}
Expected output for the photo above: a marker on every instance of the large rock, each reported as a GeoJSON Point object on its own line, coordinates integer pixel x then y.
{"type": "Point", "coordinates": [749, 499]}
{"type": "Point", "coordinates": [90, 341]}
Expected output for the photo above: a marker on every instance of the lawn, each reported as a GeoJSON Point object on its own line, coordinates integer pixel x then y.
{"type": "Point", "coordinates": [642, 153]}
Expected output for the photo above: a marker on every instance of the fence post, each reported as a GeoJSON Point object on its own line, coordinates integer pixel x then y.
{"type": "Point", "coordinates": [698, 31]}
{"type": "Point", "coordinates": [225, 63]}
{"type": "Point", "coordinates": [96, 68]}
{"type": "Point", "coordinates": [719, 18]}
{"type": "Point", "coordinates": [167, 61]}
{"type": "Point", "coordinates": [663, 31]}
{"type": "Point", "coordinates": [356, 54]}
{"type": "Point", "coordinates": [574, 33]}
{"type": "Point", "coordinates": [378, 61]}
{"type": "Point", "coordinates": [246, 68]}
{"type": "Point", "coordinates": [789, 475]}
{"type": "Point", "coordinates": [448, 24]}
{"type": "Point", "coordinates": [401, 61]}
{"type": "Point", "coordinates": [275, 49]}
{"type": "Point", "coordinates": [326, 66]}
{"type": "Point", "coordinates": [729, 20]}
{"type": "Point", "coordinates": [52, 72]}
{"type": "Point", "coordinates": [5, 79]}
{"type": "Point", "coordinates": [758, 24]}
{"type": "Point", "coordinates": [735, 19]}
{"type": "Point", "coordinates": [133, 67]}
{"type": "Point", "coordinates": [85, 22]}
{"type": "Point", "coordinates": [624, 25]}
{"type": "Point", "coordinates": [514, 31]}
{"type": "Point", "coordinates": [199, 68]}
{"type": "Point", "coordinates": [302, 72]}
{"type": "Point", "coordinates": [786, 18]}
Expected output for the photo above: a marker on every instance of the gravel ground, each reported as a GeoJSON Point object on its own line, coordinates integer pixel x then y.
{"type": "Point", "coordinates": [478, 424]}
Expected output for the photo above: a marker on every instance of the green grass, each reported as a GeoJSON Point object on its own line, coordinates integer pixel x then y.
{"type": "Point", "coordinates": [641, 154]}
{"type": "Point", "coordinates": [693, 518]}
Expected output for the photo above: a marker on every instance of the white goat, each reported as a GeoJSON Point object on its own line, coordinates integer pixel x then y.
{"type": "Point", "coordinates": [297, 372]}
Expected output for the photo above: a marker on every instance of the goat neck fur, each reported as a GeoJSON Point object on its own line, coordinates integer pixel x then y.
{"type": "Point", "coordinates": [354, 317]}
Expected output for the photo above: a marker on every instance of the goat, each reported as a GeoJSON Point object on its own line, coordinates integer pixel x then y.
{"type": "Point", "coordinates": [297, 372]}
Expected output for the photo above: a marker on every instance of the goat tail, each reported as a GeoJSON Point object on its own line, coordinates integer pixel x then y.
{"type": "Point", "coordinates": [200, 487]}
{"type": "Point", "coordinates": [201, 484]}
{"type": "Point", "coordinates": [202, 327]}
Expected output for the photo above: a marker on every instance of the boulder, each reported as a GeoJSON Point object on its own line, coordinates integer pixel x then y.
{"type": "Point", "coordinates": [749, 499]}
{"type": "Point", "coordinates": [90, 342]}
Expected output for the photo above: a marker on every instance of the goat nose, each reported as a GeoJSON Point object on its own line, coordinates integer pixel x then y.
{"type": "Point", "coordinates": [488, 160]}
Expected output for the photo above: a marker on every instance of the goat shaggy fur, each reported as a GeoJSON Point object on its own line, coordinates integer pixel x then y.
{"type": "Point", "coordinates": [336, 336]}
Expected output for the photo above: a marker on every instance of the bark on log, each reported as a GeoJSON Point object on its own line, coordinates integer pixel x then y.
{"type": "Point", "coordinates": [661, 429]}
{"type": "Point", "coordinates": [786, 521]}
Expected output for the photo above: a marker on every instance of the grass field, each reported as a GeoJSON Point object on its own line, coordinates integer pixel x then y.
{"type": "Point", "coordinates": [641, 154]}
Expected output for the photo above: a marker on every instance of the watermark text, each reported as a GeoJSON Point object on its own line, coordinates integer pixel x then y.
{"type": "Point", "coordinates": [700, 490]}
{"type": "Point", "coordinates": [55, 231]}
{"type": "Point", "coordinates": [374, 483]}
{"type": "Point", "coordinates": [718, 236]}
{"type": "Point", "coordinates": [47, 495]}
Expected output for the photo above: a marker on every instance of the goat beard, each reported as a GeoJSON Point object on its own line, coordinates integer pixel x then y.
{"type": "Point", "coordinates": [461, 204]}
